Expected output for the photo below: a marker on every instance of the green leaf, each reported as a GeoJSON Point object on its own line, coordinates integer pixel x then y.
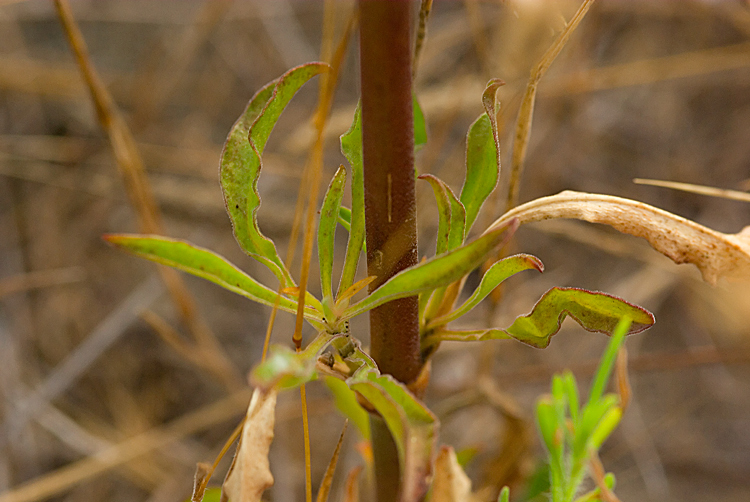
{"type": "Point", "coordinates": [284, 368]}
{"type": "Point", "coordinates": [604, 428]}
{"type": "Point", "coordinates": [607, 361]}
{"type": "Point", "coordinates": [504, 495]}
{"type": "Point", "coordinates": [420, 128]}
{"type": "Point", "coordinates": [547, 420]}
{"type": "Point", "coordinates": [434, 273]}
{"type": "Point", "coordinates": [494, 276]}
{"type": "Point", "coordinates": [345, 218]}
{"type": "Point", "coordinates": [351, 147]}
{"type": "Point", "coordinates": [411, 424]}
{"type": "Point", "coordinates": [451, 215]}
{"type": "Point", "coordinates": [482, 157]}
{"type": "Point", "coordinates": [207, 265]}
{"type": "Point", "coordinates": [241, 164]}
{"type": "Point", "coordinates": [346, 401]}
{"type": "Point", "coordinates": [329, 215]}
{"type": "Point", "coordinates": [594, 311]}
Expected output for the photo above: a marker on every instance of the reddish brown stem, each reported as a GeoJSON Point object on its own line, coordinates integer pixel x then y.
{"type": "Point", "coordinates": [390, 203]}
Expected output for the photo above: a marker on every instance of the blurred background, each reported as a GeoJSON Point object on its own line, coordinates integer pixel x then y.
{"type": "Point", "coordinates": [112, 390]}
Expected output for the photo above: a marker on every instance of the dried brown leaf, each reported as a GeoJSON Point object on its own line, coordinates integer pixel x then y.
{"type": "Point", "coordinates": [202, 473]}
{"type": "Point", "coordinates": [450, 484]}
{"type": "Point", "coordinates": [716, 254]}
{"type": "Point", "coordinates": [250, 475]}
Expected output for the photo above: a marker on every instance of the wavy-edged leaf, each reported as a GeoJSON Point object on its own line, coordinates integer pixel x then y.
{"type": "Point", "coordinates": [208, 265]}
{"type": "Point", "coordinates": [351, 147]}
{"type": "Point", "coordinates": [494, 276]}
{"type": "Point", "coordinates": [420, 127]}
{"type": "Point", "coordinates": [329, 215]}
{"type": "Point", "coordinates": [451, 215]}
{"type": "Point", "coordinates": [284, 368]}
{"type": "Point", "coordinates": [434, 273]}
{"type": "Point", "coordinates": [241, 164]}
{"type": "Point", "coordinates": [593, 310]}
{"type": "Point", "coordinates": [482, 156]}
{"type": "Point", "coordinates": [411, 424]}
{"type": "Point", "coordinates": [346, 401]}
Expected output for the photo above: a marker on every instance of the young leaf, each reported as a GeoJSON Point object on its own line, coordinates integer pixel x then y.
{"type": "Point", "coordinates": [351, 147]}
{"type": "Point", "coordinates": [420, 128]}
{"type": "Point", "coordinates": [494, 276]}
{"type": "Point", "coordinates": [249, 476]}
{"type": "Point", "coordinates": [345, 218]}
{"type": "Point", "coordinates": [594, 311]}
{"type": "Point", "coordinates": [207, 265]}
{"type": "Point", "coordinates": [411, 424]}
{"type": "Point", "coordinates": [241, 164]}
{"type": "Point", "coordinates": [434, 273]}
{"type": "Point", "coordinates": [482, 156]}
{"type": "Point", "coordinates": [607, 362]}
{"type": "Point", "coordinates": [285, 368]}
{"type": "Point", "coordinates": [329, 214]}
{"type": "Point", "coordinates": [452, 215]}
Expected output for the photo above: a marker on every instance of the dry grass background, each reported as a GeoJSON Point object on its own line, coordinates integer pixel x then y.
{"type": "Point", "coordinates": [96, 405]}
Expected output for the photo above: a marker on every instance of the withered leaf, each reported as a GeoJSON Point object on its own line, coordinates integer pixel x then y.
{"type": "Point", "coordinates": [249, 476]}
{"type": "Point", "coordinates": [450, 484]}
{"type": "Point", "coordinates": [716, 254]}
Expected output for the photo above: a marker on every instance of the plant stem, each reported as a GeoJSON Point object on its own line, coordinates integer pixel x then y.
{"type": "Point", "coordinates": [390, 203]}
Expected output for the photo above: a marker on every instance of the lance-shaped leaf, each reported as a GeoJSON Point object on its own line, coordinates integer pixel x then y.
{"type": "Point", "coordinates": [411, 424]}
{"type": "Point", "coordinates": [329, 215]}
{"type": "Point", "coordinates": [451, 215]}
{"type": "Point", "coordinates": [346, 401]}
{"type": "Point", "coordinates": [482, 156]}
{"type": "Point", "coordinates": [494, 276]}
{"type": "Point", "coordinates": [208, 265]}
{"type": "Point", "coordinates": [420, 127]}
{"type": "Point", "coordinates": [351, 147]}
{"type": "Point", "coordinates": [594, 311]}
{"type": "Point", "coordinates": [435, 273]}
{"type": "Point", "coordinates": [285, 368]}
{"type": "Point", "coordinates": [241, 164]}
{"type": "Point", "coordinates": [249, 475]}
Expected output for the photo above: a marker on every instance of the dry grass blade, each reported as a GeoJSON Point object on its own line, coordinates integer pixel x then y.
{"type": "Point", "coordinates": [131, 167]}
{"type": "Point", "coordinates": [649, 71]}
{"type": "Point", "coordinates": [325, 485]}
{"type": "Point", "coordinates": [119, 454]}
{"type": "Point", "coordinates": [424, 15]}
{"type": "Point", "coordinates": [526, 112]}
{"type": "Point", "coordinates": [40, 279]}
{"type": "Point", "coordinates": [716, 254]}
{"type": "Point", "coordinates": [250, 475]}
{"type": "Point", "coordinates": [202, 475]}
{"type": "Point", "coordinates": [351, 491]}
{"type": "Point", "coordinates": [622, 379]}
{"type": "Point", "coordinates": [699, 189]}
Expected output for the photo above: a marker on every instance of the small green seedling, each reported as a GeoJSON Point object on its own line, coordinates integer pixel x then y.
{"type": "Point", "coordinates": [573, 433]}
{"type": "Point", "coordinates": [437, 281]}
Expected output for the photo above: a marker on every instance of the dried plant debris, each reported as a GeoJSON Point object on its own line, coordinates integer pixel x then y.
{"type": "Point", "coordinates": [715, 254]}
{"type": "Point", "coordinates": [450, 484]}
{"type": "Point", "coordinates": [249, 476]}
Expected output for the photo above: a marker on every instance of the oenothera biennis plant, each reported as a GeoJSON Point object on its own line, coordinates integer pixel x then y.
{"type": "Point", "coordinates": [437, 281]}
